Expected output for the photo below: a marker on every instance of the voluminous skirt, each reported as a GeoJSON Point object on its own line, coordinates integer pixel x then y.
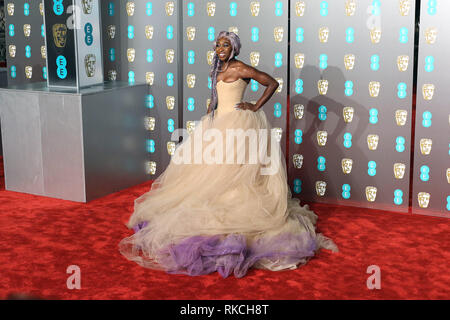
{"type": "Point", "coordinates": [221, 215]}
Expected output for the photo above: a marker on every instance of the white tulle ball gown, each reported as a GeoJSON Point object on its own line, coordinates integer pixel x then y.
{"type": "Point", "coordinates": [228, 217]}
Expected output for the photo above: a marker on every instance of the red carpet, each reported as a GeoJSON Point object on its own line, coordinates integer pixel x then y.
{"type": "Point", "coordinates": [40, 237]}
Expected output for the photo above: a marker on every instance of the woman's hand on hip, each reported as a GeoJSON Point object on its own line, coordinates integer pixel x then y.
{"type": "Point", "coordinates": [246, 106]}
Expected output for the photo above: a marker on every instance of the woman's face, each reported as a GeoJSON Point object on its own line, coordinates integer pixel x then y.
{"type": "Point", "coordinates": [223, 49]}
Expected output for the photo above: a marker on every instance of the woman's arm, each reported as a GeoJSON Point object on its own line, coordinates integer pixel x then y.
{"type": "Point", "coordinates": [246, 71]}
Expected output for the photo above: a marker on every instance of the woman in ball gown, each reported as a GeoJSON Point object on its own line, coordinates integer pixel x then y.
{"type": "Point", "coordinates": [212, 210]}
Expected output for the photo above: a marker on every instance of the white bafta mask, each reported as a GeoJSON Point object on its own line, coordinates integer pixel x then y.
{"type": "Point", "coordinates": [171, 148]}
{"type": "Point", "coordinates": [322, 138]}
{"type": "Point", "coordinates": [211, 9]}
{"type": "Point", "coordinates": [300, 8]}
{"type": "Point", "coordinates": [29, 72]}
{"type": "Point", "coordinates": [299, 60]}
{"type": "Point", "coordinates": [423, 199]}
{"type": "Point", "coordinates": [404, 6]}
{"type": "Point", "coordinates": [374, 88]}
{"type": "Point", "coordinates": [43, 52]}
{"type": "Point", "coordinates": [131, 54]}
{"type": "Point", "coordinates": [170, 55]}
{"type": "Point", "coordinates": [41, 8]}
{"type": "Point", "coordinates": [280, 87]}
{"type": "Point", "coordinates": [371, 193]}
{"type": "Point", "coordinates": [234, 30]}
{"type": "Point", "coordinates": [402, 62]}
{"type": "Point", "coordinates": [322, 86]}
{"type": "Point", "coordinates": [375, 35]}
{"type": "Point", "coordinates": [299, 111]}
{"type": "Point", "coordinates": [170, 8]}
{"type": "Point", "coordinates": [347, 165]}
{"type": "Point", "coordinates": [254, 8]}
{"type": "Point", "coordinates": [89, 65]}
{"type": "Point", "coordinates": [130, 6]}
{"type": "Point", "coordinates": [149, 123]}
{"type": "Point", "coordinates": [425, 146]}
{"type": "Point", "coordinates": [12, 50]}
{"type": "Point", "coordinates": [400, 117]}
{"type": "Point", "coordinates": [321, 188]}
{"type": "Point", "coordinates": [278, 34]}
{"type": "Point", "coordinates": [448, 175]}
{"type": "Point", "coordinates": [10, 9]}
{"type": "Point", "coordinates": [87, 6]}
{"type": "Point", "coordinates": [27, 30]}
{"type": "Point", "coordinates": [428, 91]}
{"type": "Point", "coordinates": [149, 29]}
{"type": "Point", "coordinates": [348, 113]}
{"type": "Point", "coordinates": [112, 75]}
{"type": "Point", "coordinates": [324, 32]}
{"type": "Point", "coordinates": [350, 7]}
{"type": "Point", "coordinates": [431, 35]}
{"type": "Point", "coordinates": [190, 32]}
{"type": "Point", "coordinates": [399, 170]}
{"type": "Point", "coordinates": [150, 78]}
{"type": "Point", "coordinates": [170, 102]}
{"type": "Point", "coordinates": [349, 61]}
{"type": "Point", "coordinates": [298, 160]}
{"type": "Point", "coordinates": [190, 126]}
{"type": "Point", "coordinates": [372, 141]}
{"type": "Point", "coordinates": [111, 31]}
{"type": "Point", "coordinates": [190, 78]}
{"type": "Point", "coordinates": [254, 58]}
{"type": "Point", "coordinates": [278, 133]}
{"type": "Point", "coordinates": [150, 167]}
{"type": "Point", "coordinates": [210, 56]}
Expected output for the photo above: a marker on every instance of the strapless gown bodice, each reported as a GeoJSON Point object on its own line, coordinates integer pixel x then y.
{"type": "Point", "coordinates": [229, 94]}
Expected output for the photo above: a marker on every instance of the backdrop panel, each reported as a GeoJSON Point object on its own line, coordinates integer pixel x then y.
{"type": "Point", "coordinates": [351, 66]}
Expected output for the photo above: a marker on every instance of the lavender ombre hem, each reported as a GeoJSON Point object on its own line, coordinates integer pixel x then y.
{"type": "Point", "coordinates": [199, 255]}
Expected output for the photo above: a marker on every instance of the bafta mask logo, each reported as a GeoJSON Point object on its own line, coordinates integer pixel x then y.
{"type": "Point", "coordinates": [234, 30]}
{"type": "Point", "coordinates": [371, 194]}
{"type": "Point", "coordinates": [131, 54]}
{"type": "Point", "coordinates": [280, 87]}
{"type": "Point", "coordinates": [211, 9]}
{"type": "Point", "coordinates": [130, 8]}
{"type": "Point", "coordinates": [254, 58]}
{"type": "Point", "coordinates": [299, 59]}
{"type": "Point", "coordinates": [347, 165]}
{"type": "Point", "coordinates": [41, 8]}
{"type": "Point", "coordinates": [149, 78]}
{"type": "Point", "coordinates": [423, 199]}
{"type": "Point", "coordinates": [59, 35]}
{"type": "Point", "coordinates": [297, 160]}
{"type": "Point", "coordinates": [278, 133]}
{"type": "Point", "coordinates": [10, 9]}
{"type": "Point", "coordinates": [428, 91]}
{"type": "Point", "coordinates": [12, 50]}
{"type": "Point", "coordinates": [349, 61]}
{"type": "Point", "coordinates": [322, 85]}
{"type": "Point", "coordinates": [425, 146]}
{"type": "Point", "coordinates": [170, 55]}
{"type": "Point", "coordinates": [448, 175]}
{"type": "Point", "coordinates": [171, 148]}
{"type": "Point", "coordinates": [190, 32]}
{"type": "Point", "coordinates": [400, 117]}
{"type": "Point", "coordinates": [190, 78]}
{"type": "Point", "coordinates": [210, 56]}
{"type": "Point", "coordinates": [350, 7]}
{"type": "Point", "coordinates": [299, 111]}
{"type": "Point", "coordinates": [149, 32]}
{"type": "Point", "coordinates": [29, 72]}
{"type": "Point", "coordinates": [375, 35]}
{"type": "Point", "coordinates": [372, 141]}
{"type": "Point", "coordinates": [321, 188]}
{"type": "Point", "coordinates": [89, 65]}
{"type": "Point", "coordinates": [170, 102]}
{"type": "Point", "coordinates": [399, 170]}
{"type": "Point", "coordinates": [374, 88]}
{"type": "Point", "coordinates": [87, 6]}
{"type": "Point", "coordinates": [324, 32]}
{"type": "Point", "coordinates": [278, 34]}
{"type": "Point", "coordinates": [170, 8]}
{"type": "Point", "coordinates": [43, 52]}
{"type": "Point", "coordinates": [111, 31]}
{"type": "Point", "coordinates": [404, 6]}
{"type": "Point", "coordinates": [254, 8]}
{"type": "Point", "coordinates": [149, 123]}
{"type": "Point", "coordinates": [190, 126]}
{"type": "Point", "coordinates": [402, 62]}
{"type": "Point", "coordinates": [112, 75]}
{"type": "Point", "coordinates": [431, 35]}
{"type": "Point", "coordinates": [150, 167]}
{"type": "Point", "coordinates": [27, 30]}
{"type": "Point", "coordinates": [322, 138]}
{"type": "Point", "coordinates": [208, 102]}
{"type": "Point", "coordinates": [348, 113]}
{"type": "Point", "coordinates": [300, 8]}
